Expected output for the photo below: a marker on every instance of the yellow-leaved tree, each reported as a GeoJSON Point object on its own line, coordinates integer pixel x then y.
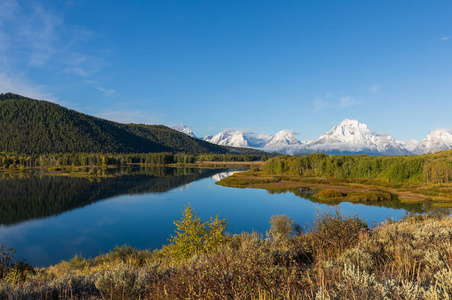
{"type": "Point", "coordinates": [194, 236]}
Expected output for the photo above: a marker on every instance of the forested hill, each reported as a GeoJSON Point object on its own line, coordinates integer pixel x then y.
{"type": "Point", "coordinates": [35, 126]}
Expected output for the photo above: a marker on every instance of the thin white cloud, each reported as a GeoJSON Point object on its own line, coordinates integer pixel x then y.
{"type": "Point", "coordinates": [130, 116]}
{"type": "Point", "coordinates": [347, 102]}
{"type": "Point", "coordinates": [445, 38]}
{"type": "Point", "coordinates": [320, 104]}
{"type": "Point", "coordinates": [8, 9]}
{"type": "Point", "coordinates": [31, 35]}
{"type": "Point", "coordinates": [78, 71]}
{"type": "Point", "coordinates": [107, 92]}
{"type": "Point", "coordinates": [38, 32]}
{"type": "Point", "coordinates": [35, 37]}
{"type": "Point", "coordinates": [21, 86]}
{"type": "Point", "coordinates": [375, 88]}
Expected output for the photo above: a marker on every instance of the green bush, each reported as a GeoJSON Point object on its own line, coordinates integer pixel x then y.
{"type": "Point", "coordinates": [329, 193]}
{"type": "Point", "coordinates": [369, 196]}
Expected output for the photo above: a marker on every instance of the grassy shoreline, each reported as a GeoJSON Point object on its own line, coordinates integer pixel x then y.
{"type": "Point", "coordinates": [102, 171]}
{"type": "Point", "coordinates": [336, 258]}
{"type": "Point", "coordinates": [351, 189]}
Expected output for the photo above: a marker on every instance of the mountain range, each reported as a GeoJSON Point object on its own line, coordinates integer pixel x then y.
{"type": "Point", "coordinates": [32, 126]}
{"type": "Point", "coordinates": [349, 137]}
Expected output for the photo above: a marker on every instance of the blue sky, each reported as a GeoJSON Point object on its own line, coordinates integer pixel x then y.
{"type": "Point", "coordinates": [261, 65]}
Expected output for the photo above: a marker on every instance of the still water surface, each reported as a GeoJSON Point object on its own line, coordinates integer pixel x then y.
{"type": "Point", "coordinates": [49, 219]}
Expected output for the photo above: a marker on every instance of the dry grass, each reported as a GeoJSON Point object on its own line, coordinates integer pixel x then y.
{"type": "Point", "coordinates": [336, 258]}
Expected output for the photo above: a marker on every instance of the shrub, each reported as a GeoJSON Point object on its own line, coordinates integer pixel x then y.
{"type": "Point", "coordinates": [194, 236]}
{"type": "Point", "coordinates": [331, 233]}
{"type": "Point", "coordinates": [369, 196]}
{"type": "Point", "coordinates": [122, 282]}
{"type": "Point", "coordinates": [329, 193]}
{"type": "Point", "coordinates": [125, 254]}
{"type": "Point", "coordinates": [10, 270]}
{"type": "Point", "coordinates": [281, 227]}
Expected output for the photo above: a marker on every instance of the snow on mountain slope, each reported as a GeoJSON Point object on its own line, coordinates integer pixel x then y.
{"type": "Point", "coordinates": [409, 145]}
{"type": "Point", "coordinates": [349, 137]}
{"type": "Point", "coordinates": [283, 138]}
{"type": "Point", "coordinates": [238, 138]}
{"type": "Point", "coordinates": [437, 140]}
{"type": "Point", "coordinates": [283, 142]}
{"type": "Point", "coordinates": [353, 137]}
{"type": "Point", "coordinates": [184, 129]}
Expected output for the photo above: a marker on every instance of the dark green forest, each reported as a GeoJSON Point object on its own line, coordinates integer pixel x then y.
{"type": "Point", "coordinates": [429, 168]}
{"type": "Point", "coordinates": [29, 126]}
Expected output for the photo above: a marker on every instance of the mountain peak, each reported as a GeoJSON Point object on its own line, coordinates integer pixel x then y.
{"type": "Point", "coordinates": [184, 129]}
{"type": "Point", "coordinates": [283, 138]}
{"type": "Point", "coordinates": [437, 140]}
{"type": "Point", "coordinates": [350, 136]}
{"type": "Point", "coordinates": [353, 126]}
{"type": "Point", "coordinates": [349, 122]}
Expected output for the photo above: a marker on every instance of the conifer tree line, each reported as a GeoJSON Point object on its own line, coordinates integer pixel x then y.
{"type": "Point", "coordinates": [39, 127]}
{"type": "Point", "coordinates": [431, 168]}
{"type": "Point", "coordinates": [13, 161]}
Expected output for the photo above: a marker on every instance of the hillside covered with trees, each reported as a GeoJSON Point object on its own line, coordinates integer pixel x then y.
{"type": "Point", "coordinates": [29, 126]}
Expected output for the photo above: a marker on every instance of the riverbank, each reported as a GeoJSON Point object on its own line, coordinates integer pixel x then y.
{"type": "Point", "coordinates": [114, 170]}
{"type": "Point", "coordinates": [344, 189]}
{"type": "Point", "coordinates": [336, 258]}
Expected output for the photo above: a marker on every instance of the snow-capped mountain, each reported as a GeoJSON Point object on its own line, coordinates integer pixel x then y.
{"type": "Point", "coordinates": [283, 142]}
{"type": "Point", "coordinates": [283, 138]}
{"type": "Point", "coordinates": [437, 140]}
{"type": "Point", "coordinates": [409, 145]}
{"type": "Point", "coordinates": [184, 129]}
{"type": "Point", "coordinates": [239, 138]}
{"type": "Point", "coordinates": [353, 137]}
{"type": "Point", "coordinates": [349, 137]}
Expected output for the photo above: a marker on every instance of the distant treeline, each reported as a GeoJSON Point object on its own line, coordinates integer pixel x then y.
{"type": "Point", "coordinates": [432, 168]}
{"type": "Point", "coordinates": [13, 161]}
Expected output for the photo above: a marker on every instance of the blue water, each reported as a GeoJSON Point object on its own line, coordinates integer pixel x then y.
{"type": "Point", "coordinates": [145, 220]}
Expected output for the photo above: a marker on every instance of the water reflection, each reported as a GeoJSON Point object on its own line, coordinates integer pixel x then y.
{"type": "Point", "coordinates": [50, 218]}
{"type": "Point", "coordinates": [28, 197]}
{"type": "Point", "coordinates": [410, 208]}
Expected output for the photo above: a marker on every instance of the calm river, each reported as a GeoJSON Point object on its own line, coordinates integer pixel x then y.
{"type": "Point", "coordinates": [48, 219]}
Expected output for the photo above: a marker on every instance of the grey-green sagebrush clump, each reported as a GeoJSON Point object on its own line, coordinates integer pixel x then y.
{"type": "Point", "coordinates": [194, 236]}
{"type": "Point", "coordinates": [123, 282]}
{"type": "Point", "coordinates": [281, 227]}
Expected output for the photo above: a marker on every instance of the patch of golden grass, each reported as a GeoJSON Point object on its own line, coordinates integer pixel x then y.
{"type": "Point", "coordinates": [409, 192]}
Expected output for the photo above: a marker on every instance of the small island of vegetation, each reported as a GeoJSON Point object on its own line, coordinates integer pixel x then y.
{"type": "Point", "coordinates": [356, 178]}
